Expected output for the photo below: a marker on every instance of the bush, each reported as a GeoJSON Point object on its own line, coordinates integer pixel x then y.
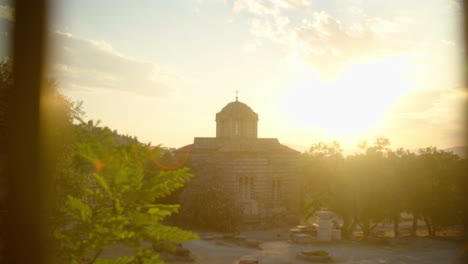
{"type": "Point", "coordinates": [207, 203]}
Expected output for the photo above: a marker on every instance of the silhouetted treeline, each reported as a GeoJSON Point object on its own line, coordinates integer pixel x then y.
{"type": "Point", "coordinates": [379, 184]}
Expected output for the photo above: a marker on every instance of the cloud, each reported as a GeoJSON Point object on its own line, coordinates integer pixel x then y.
{"type": "Point", "coordinates": [432, 116]}
{"type": "Point", "coordinates": [6, 12]}
{"type": "Point", "coordinates": [256, 7]}
{"type": "Point", "coordinates": [268, 20]}
{"type": "Point", "coordinates": [294, 4]}
{"type": "Point", "coordinates": [319, 38]}
{"type": "Point", "coordinates": [329, 47]}
{"type": "Point", "coordinates": [90, 65]}
{"type": "Point", "coordinates": [400, 71]}
{"type": "Point", "coordinates": [262, 28]}
{"type": "Point", "coordinates": [252, 46]}
{"type": "Point", "coordinates": [268, 7]}
{"type": "Point", "coordinates": [445, 108]}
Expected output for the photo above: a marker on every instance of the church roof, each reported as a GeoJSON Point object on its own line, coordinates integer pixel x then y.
{"type": "Point", "coordinates": [258, 145]}
{"type": "Point", "coordinates": [238, 110]}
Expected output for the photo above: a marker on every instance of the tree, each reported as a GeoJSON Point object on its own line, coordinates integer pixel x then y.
{"type": "Point", "coordinates": [319, 167]}
{"type": "Point", "coordinates": [377, 184]}
{"type": "Point", "coordinates": [119, 205]}
{"type": "Point", "coordinates": [437, 195]}
{"type": "Point", "coordinates": [206, 202]}
{"type": "Point", "coordinates": [398, 185]}
{"type": "Point", "coordinates": [360, 194]}
{"type": "Point", "coordinates": [372, 186]}
{"type": "Point", "coordinates": [98, 206]}
{"type": "Point", "coordinates": [460, 187]}
{"type": "Point", "coordinates": [58, 114]}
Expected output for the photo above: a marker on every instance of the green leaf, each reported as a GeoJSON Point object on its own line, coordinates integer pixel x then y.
{"type": "Point", "coordinates": [102, 182]}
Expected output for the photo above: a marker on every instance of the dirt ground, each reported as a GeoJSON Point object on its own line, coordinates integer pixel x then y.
{"type": "Point", "coordinates": [276, 248]}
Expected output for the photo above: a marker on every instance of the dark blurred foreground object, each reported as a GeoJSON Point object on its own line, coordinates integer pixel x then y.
{"type": "Point", "coordinates": [462, 256]}
{"type": "Point", "coordinates": [26, 198]}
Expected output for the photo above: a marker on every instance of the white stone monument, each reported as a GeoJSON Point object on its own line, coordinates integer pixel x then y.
{"type": "Point", "coordinates": [324, 232]}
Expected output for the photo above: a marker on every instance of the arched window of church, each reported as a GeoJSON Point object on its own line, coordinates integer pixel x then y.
{"type": "Point", "coordinates": [241, 187]}
{"type": "Point", "coordinates": [276, 188]}
{"type": "Point", "coordinates": [246, 187]}
{"type": "Point", "coordinates": [251, 188]}
{"type": "Point", "coordinates": [273, 189]}
{"type": "Point", "coordinates": [226, 129]}
{"type": "Point", "coordinates": [236, 128]}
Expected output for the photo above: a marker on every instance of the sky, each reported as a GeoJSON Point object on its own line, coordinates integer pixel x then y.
{"type": "Point", "coordinates": [317, 70]}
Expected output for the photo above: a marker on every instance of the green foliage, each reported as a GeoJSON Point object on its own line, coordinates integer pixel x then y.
{"type": "Point", "coordinates": [118, 205]}
{"type": "Point", "coordinates": [6, 75]}
{"type": "Point", "coordinates": [103, 197]}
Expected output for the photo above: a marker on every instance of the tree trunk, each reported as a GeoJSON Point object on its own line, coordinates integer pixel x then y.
{"type": "Point", "coordinates": [465, 228]}
{"type": "Point", "coordinates": [435, 228]}
{"type": "Point", "coordinates": [365, 232]}
{"type": "Point", "coordinates": [345, 228]}
{"type": "Point", "coordinates": [396, 225]}
{"type": "Point", "coordinates": [348, 227]}
{"type": "Point", "coordinates": [96, 255]}
{"type": "Point", "coordinates": [352, 228]}
{"type": "Point", "coordinates": [414, 229]}
{"type": "Point", "coordinates": [365, 228]}
{"type": "Point", "coordinates": [428, 225]}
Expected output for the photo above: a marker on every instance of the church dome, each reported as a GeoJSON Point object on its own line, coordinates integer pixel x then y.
{"type": "Point", "coordinates": [236, 110]}
{"type": "Point", "coordinates": [236, 120]}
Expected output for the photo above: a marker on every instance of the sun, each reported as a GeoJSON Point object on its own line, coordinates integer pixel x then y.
{"type": "Point", "coordinates": [352, 104]}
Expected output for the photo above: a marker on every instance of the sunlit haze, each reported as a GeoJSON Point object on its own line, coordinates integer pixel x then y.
{"type": "Point", "coordinates": [313, 70]}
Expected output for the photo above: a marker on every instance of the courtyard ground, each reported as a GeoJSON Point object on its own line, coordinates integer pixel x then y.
{"type": "Point", "coordinates": [276, 248]}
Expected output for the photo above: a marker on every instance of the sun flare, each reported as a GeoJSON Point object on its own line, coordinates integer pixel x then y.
{"type": "Point", "coordinates": [351, 104]}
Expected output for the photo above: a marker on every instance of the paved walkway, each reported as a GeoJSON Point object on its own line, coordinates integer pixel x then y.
{"type": "Point", "coordinates": [282, 252]}
{"type": "Point", "coordinates": [276, 249]}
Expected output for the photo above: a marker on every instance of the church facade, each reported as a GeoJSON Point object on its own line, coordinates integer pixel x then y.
{"type": "Point", "coordinates": [260, 173]}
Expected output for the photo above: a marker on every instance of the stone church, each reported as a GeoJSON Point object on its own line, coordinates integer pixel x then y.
{"type": "Point", "coordinates": [258, 172]}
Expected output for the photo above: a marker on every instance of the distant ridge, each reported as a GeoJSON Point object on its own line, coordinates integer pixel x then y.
{"type": "Point", "coordinates": [297, 147]}
{"type": "Point", "coordinates": [461, 151]}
